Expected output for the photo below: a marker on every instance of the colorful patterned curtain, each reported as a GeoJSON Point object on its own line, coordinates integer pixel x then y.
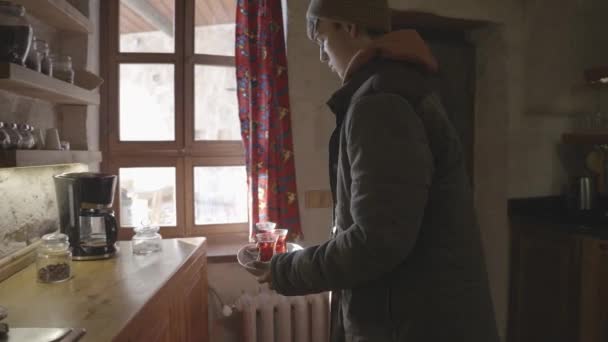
{"type": "Point", "coordinates": [263, 91]}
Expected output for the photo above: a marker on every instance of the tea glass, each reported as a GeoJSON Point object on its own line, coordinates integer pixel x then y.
{"type": "Point", "coordinates": [281, 244]}
{"type": "Point", "coordinates": [266, 243]}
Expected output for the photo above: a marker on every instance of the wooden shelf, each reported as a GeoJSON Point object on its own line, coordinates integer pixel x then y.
{"type": "Point", "coordinates": [599, 137]}
{"type": "Point", "coordinates": [22, 158]}
{"type": "Point", "coordinates": [26, 82]}
{"type": "Point", "coordinates": [58, 13]}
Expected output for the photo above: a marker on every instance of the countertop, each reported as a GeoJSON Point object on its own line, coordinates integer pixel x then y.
{"type": "Point", "coordinates": [552, 212]}
{"type": "Point", "coordinates": [102, 296]}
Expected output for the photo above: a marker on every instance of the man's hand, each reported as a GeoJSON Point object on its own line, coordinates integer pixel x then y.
{"type": "Point", "coordinates": [266, 276]}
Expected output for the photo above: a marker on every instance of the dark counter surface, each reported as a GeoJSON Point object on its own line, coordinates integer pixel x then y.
{"type": "Point", "coordinates": [552, 211]}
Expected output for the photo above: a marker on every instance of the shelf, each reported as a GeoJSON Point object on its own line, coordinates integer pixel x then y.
{"type": "Point", "coordinates": [26, 82]}
{"type": "Point", "coordinates": [22, 158]}
{"type": "Point", "coordinates": [58, 13]}
{"type": "Point", "coordinates": [586, 138]}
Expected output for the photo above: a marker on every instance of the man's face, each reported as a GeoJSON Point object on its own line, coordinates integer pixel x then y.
{"type": "Point", "coordinates": [335, 43]}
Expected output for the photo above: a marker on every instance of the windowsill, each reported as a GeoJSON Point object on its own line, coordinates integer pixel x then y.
{"type": "Point", "coordinates": [222, 248]}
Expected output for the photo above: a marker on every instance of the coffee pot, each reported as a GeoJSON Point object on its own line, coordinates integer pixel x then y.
{"type": "Point", "coordinates": [84, 202]}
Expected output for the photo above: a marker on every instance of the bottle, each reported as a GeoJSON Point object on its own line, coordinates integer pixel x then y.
{"type": "Point", "coordinates": [47, 61]}
{"type": "Point", "coordinates": [15, 33]}
{"type": "Point", "coordinates": [62, 69]}
{"type": "Point", "coordinates": [54, 259]}
{"type": "Point", "coordinates": [34, 57]}
{"type": "Point", "coordinates": [146, 239]}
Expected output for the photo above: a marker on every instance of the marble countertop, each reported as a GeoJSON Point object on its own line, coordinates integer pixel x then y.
{"type": "Point", "coordinates": [102, 296]}
{"type": "Point", "coordinates": [551, 212]}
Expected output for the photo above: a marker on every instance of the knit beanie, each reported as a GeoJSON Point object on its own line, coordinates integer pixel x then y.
{"type": "Point", "coordinates": [370, 14]}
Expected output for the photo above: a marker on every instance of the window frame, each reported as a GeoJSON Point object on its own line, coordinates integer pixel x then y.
{"type": "Point", "coordinates": [184, 152]}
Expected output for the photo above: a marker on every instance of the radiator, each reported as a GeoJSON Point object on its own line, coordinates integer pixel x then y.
{"type": "Point", "coordinates": [269, 317]}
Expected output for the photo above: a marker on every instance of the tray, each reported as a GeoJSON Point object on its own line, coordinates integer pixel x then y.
{"type": "Point", "coordinates": [248, 254]}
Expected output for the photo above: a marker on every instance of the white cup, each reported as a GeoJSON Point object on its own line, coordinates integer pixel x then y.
{"type": "Point", "coordinates": [52, 141]}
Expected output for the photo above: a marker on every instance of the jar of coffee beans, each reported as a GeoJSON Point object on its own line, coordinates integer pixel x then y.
{"type": "Point", "coordinates": [54, 260]}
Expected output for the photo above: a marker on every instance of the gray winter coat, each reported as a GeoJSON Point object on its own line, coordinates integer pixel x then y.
{"type": "Point", "coordinates": [406, 263]}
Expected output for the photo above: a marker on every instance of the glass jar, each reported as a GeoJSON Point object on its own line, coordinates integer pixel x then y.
{"type": "Point", "coordinates": [15, 33]}
{"type": "Point", "coordinates": [27, 138]}
{"type": "Point", "coordinates": [62, 69]}
{"type": "Point", "coordinates": [36, 54]}
{"type": "Point", "coordinates": [54, 259]}
{"type": "Point", "coordinates": [146, 240]}
{"type": "Point", "coordinates": [14, 136]}
{"type": "Point", "coordinates": [5, 140]}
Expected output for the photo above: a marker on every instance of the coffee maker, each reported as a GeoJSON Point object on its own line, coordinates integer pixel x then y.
{"type": "Point", "coordinates": [84, 202]}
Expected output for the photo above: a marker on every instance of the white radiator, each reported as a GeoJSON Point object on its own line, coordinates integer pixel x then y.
{"type": "Point", "coordinates": [269, 317]}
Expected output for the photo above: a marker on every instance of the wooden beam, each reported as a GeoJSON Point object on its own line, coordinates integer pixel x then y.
{"type": "Point", "coordinates": [151, 14]}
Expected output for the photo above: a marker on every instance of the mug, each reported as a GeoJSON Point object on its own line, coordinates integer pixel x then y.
{"type": "Point", "coordinates": [52, 141]}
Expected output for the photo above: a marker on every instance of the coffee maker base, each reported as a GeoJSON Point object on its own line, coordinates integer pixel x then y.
{"type": "Point", "coordinates": [94, 257]}
{"type": "Point", "coordinates": [107, 253]}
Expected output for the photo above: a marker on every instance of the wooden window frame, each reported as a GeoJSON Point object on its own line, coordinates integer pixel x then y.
{"type": "Point", "coordinates": [184, 152]}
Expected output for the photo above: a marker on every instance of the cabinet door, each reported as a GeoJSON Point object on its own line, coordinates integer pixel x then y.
{"type": "Point", "coordinates": [195, 301]}
{"type": "Point", "coordinates": [594, 291]}
{"type": "Point", "coordinates": [547, 287]}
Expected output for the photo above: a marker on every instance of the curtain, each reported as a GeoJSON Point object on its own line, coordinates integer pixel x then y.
{"type": "Point", "coordinates": [264, 112]}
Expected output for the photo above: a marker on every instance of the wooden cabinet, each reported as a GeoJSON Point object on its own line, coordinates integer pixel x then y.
{"type": "Point", "coordinates": [178, 312]}
{"type": "Point", "coordinates": [559, 287]}
{"type": "Point", "coordinates": [594, 294]}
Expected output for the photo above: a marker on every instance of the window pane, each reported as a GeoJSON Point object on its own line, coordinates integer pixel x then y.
{"type": "Point", "coordinates": [147, 26]}
{"type": "Point", "coordinates": [220, 195]}
{"type": "Point", "coordinates": [147, 104]}
{"type": "Point", "coordinates": [147, 192]}
{"type": "Point", "coordinates": [216, 104]}
{"type": "Point", "coordinates": [215, 27]}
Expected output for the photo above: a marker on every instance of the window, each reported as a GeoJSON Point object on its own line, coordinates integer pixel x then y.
{"type": "Point", "coordinates": [170, 111]}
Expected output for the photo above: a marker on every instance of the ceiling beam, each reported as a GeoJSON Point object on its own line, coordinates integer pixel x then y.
{"type": "Point", "coordinates": [150, 14]}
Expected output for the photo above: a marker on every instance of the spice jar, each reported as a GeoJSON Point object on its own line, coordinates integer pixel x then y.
{"type": "Point", "coordinates": [62, 69]}
{"type": "Point", "coordinates": [54, 260]}
{"type": "Point", "coordinates": [46, 65]}
{"type": "Point", "coordinates": [15, 33]}
{"type": "Point", "coordinates": [146, 239]}
{"type": "Point", "coordinates": [27, 138]}
{"type": "Point", "coordinates": [13, 134]}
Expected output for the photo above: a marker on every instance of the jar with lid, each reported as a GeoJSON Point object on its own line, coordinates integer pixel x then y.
{"type": "Point", "coordinates": [146, 239]}
{"type": "Point", "coordinates": [15, 33]}
{"type": "Point", "coordinates": [13, 134]}
{"type": "Point", "coordinates": [54, 259]}
{"type": "Point", "coordinates": [27, 138]}
{"type": "Point", "coordinates": [62, 69]}
{"type": "Point", "coordinates": [5, 140]}
{"type": "Point", "coordinates": [36, 54]}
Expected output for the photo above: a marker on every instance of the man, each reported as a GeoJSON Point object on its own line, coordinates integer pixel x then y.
{"type": "Point", "coordinates": [406, 261]}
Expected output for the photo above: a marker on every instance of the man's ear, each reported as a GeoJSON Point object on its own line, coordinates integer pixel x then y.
{"type": "Point", "coordinates": [353, 30]}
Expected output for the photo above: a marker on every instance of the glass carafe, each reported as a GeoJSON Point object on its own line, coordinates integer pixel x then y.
{"type": "Point", "coordinates": [95, 228]}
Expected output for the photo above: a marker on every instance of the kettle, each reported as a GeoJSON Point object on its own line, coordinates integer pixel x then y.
{"type": "Point", "coordinates": [582, 194]}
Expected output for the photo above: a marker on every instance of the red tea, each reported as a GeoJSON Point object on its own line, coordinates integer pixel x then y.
{"type": "Point", "coordinates": [266, 250]}
{"type": "Point", "coordinates": [281, 246]}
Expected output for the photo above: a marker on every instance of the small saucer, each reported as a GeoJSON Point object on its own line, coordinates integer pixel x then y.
{"type": "Point", "coordinates": [247, 257]}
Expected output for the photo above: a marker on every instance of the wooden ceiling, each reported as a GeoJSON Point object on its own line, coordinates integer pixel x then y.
{"type": "Point", "coordinates": [139, 15]}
